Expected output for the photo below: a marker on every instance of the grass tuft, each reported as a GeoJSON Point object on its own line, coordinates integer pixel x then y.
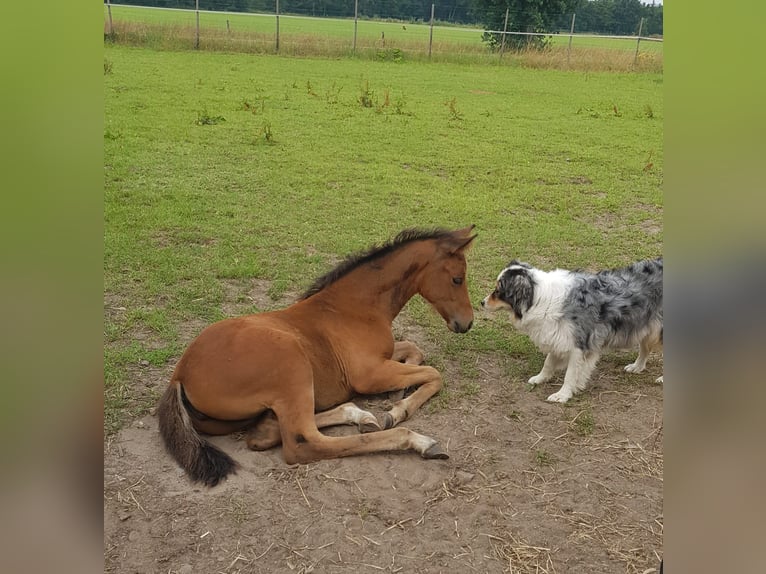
{"type": "Point", "coordinates": [583, 424]}
{"type": "Point", "coordinates": [366, 96]}
{"type": "Point", "coordinates": [205, 119]}
{"type": "Point", "coordinates": [543, 458]}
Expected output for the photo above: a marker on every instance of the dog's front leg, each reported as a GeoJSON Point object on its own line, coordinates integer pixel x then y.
{"type": "Point", "coordinates": [579, 368]}
{"type": "Point", "coordinates": [553, 362]}
{"type": "Point", "coordinates": [643, 353]}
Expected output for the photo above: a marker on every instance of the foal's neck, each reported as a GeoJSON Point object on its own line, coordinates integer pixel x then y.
{"type": "Point", "coordinates": [385, 284]}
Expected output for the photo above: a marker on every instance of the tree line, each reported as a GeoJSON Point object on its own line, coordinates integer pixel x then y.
{"type": "Point", "coordinates": [617, 17]}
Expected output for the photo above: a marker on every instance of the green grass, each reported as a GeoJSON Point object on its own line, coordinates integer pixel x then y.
{"type": "Point", "coordinates": [583, 424]}
{"type": "Point", "coordinates": [543, 458]}
{"type": "Point", "coordinates": [539, 160]}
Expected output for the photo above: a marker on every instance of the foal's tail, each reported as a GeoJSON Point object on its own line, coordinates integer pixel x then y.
{"type": "Point", "coordinates": [202, 461]}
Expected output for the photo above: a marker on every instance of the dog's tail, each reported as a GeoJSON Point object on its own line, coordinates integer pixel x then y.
{"type": "Point", "coordinates": [202, 461]}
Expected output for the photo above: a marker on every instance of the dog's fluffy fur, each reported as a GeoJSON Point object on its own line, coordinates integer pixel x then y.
{"type": "Point", "coordinates": [574, 316]}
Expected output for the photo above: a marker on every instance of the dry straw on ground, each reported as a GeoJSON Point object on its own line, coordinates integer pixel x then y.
{"type": "Point", "coordinates": [179, 37]}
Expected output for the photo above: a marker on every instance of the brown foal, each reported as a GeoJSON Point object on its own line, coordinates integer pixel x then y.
{"type": "Point", "coordinates": [283, 375]}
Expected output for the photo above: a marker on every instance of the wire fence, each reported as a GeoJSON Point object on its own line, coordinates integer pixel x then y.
{"type": "Point", "coordinates": [291, 34]}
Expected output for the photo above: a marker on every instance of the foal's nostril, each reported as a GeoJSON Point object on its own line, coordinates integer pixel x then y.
{"type": "Point", "coordinates": [468, 328]}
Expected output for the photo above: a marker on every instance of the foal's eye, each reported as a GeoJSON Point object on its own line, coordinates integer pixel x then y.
{"type": "Point", "coordinates": [457, 280]}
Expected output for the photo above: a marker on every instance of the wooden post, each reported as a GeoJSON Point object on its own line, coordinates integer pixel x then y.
{"type": "Point", "coordinates": [571, 33]}
{"type": "Point", "coordinates": [277, 49]}
{"type": "Point", "coordinates": [109, 10]}
{"type": "Point", "coordinates": [356, 19]}
{"type": "Point", "coordinates": [431, 33]}
{"type": "Point", "coordinates": [228, 26]}
{"type": "Point", "coordinates": [505, 29]}
{"type": "Point", "coordinates": [196, 39]}
{"type": "Point", "coordinates": [638, 42]}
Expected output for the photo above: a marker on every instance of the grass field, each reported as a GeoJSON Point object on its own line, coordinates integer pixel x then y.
{"type": "Point", "coordinates": [222, 168]}
{"type": "Point", "coordinates": [175, 29]}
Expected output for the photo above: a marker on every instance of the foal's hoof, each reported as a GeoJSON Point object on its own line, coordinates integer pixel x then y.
{"type": "Point", "coordinates": [388, 421]}
{"type": "Point", "coordinates": [435, 451]}
{"type": "Point", "coordinates": [369, 426]}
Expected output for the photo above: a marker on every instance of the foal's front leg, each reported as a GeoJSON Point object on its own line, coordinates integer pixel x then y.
{"type": "Point", "coordinates": [409, 353]}
{"type": "Point", "coordinates": [394, 376]}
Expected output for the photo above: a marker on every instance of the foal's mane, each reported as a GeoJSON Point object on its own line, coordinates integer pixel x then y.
{"type": "Point", "coordinates": [375, 252]}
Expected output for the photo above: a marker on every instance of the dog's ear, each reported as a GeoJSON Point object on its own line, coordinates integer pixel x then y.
{"type": "Point", "coordinates": [517, 263]}
{"type": "Point", "coordinates": [517, 289]}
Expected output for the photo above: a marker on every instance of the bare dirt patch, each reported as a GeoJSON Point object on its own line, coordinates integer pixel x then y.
{"type": "Point", "coordinates": [607, 222]}
{"type": "Point", "coordinates": [243, 296]}
{"type": "Point", "coordinates": [529, 487]}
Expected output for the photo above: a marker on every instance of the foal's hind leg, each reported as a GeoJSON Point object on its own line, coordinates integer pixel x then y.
{"type": "Point", "coordinates": [347, 414]}
{"type": "Point", "coordinates": [265, 434]}
{"type": "Point", "coordinates": [408, 353]}
{"type": "Point", "coordinates": [303, 443]}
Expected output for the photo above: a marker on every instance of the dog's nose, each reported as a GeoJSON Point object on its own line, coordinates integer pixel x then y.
{"type": "Point", "coordinates": [483, 302]}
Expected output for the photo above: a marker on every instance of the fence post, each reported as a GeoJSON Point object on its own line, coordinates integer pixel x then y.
{"type": "Point", "coordinates": [638, 42]}
{"type": "Point", "coordinates": [431, 33]}
{"type": "Point", "coordinates": [196, 37]}
{"type": "Point", "coordinates": [109, 10]}
{"type": "Point", "coordinates": [505, 29]}
{"type": "Point", "coordinates": [571, 33]}
{"type": "Point", "coordinates": [277, 12]}
{"type": "Point", "coordinates": [356, 19]}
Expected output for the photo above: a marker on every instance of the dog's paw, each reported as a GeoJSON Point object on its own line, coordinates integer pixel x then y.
{"type": "Point", "coordinates": [660, 379]}
{"type": "Point", "coordinates": [536, 380]}
{"type": "Point", "coordinates": [633, 368]}
{"type": "Point", "coordinates": [560, 397]}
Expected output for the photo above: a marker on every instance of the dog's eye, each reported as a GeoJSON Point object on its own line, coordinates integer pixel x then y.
{"type": "Point", "coordinates": [457, 280]}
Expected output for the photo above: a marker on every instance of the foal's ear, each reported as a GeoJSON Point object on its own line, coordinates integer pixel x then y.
{"type": "Point", "coordinates": [460, 239]}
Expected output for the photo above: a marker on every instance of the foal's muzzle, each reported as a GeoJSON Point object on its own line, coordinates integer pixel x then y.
{"type": "Point", "coordinates": [458, 327]}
